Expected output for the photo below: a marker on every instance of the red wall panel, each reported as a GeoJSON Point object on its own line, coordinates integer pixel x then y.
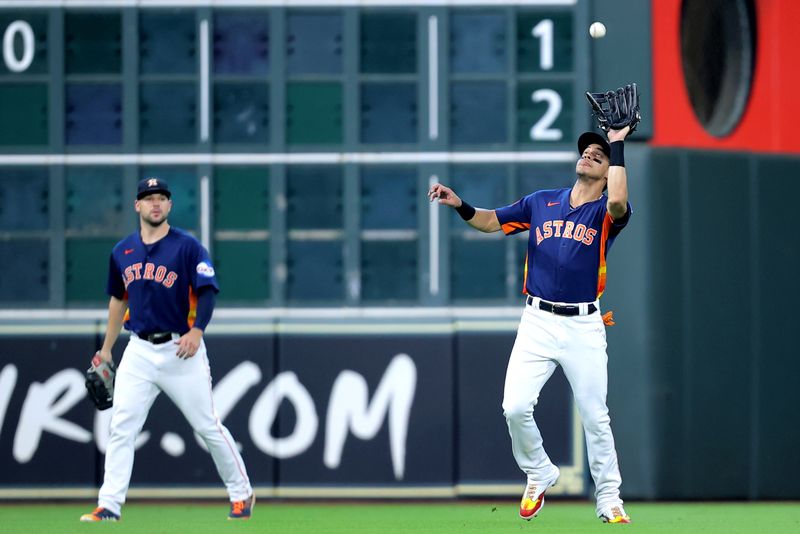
{"type": "Point", "coordinates": [770, 122]}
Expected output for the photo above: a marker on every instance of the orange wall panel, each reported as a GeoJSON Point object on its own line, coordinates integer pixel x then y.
{"type": "Point", "coordinates": [770, 120]}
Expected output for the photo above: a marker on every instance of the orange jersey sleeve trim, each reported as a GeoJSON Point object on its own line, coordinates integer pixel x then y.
{"type": "Point", "coordinates": [192, 308]}
{"type": "Point", "coordinates": [511, 227]}
{"type": "Point", "coordinates": [127, 316]}
{"type": "Point", "coordinates": [525, 277]}
{"type": "Point", "coordinates": [601, 272]}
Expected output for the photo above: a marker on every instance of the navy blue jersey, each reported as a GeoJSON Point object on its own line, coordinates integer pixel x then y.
{"type": "Point", "coordinates": [160, 281]}
{"type": "Point", "coordinates": [567, 247]}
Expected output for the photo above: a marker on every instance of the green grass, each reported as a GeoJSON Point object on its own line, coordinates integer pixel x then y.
{"type": "Point", "coordinates": [380, 518]}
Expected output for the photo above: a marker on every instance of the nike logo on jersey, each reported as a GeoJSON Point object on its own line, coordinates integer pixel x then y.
{"type": "Point", "coordinates": [565, 230]}
{"type": "Point", "coordinates": [551, 204]}
{"type": "Point", "coordinates": [128, 251]}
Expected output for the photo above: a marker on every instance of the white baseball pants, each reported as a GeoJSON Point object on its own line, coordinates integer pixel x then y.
{"type": "Point", "coordinates": [578, 344]}
{"type": "Point", "coordinates": [145, 370]}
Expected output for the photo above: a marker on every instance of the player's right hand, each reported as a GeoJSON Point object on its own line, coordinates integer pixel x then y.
{"type": "Point", "coordinates": [105, 355]}
{"type": "Point", "coordinates": [189, 343]}
{"type": "Point", "coordinates": [445, 195]}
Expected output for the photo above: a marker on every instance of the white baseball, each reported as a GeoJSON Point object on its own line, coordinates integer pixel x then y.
{"type": "Point", "coordinates": [597, 30]}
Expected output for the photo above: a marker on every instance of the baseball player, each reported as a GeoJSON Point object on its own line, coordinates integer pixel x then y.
{"type": "Point", "coordinates": [162, 285]}
{"type": "Point", "coordinates": [571, 231]}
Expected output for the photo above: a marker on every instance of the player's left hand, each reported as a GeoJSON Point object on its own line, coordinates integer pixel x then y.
{"type": "Point", "coordinates": [616, 109]}
{"type": "Point", "coordinates": [618, 135]}
{"type": "Point", "coordinates": [189, 343]}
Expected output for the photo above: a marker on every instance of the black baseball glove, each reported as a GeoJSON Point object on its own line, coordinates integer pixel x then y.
{"type": "Point", "coordinates": [614, 110]}
{"type": "Point", "coordinates": [100, 382]}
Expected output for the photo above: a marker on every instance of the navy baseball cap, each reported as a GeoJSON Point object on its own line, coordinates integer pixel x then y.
{"type": "Point", "coordinates": [148, 186]}
{"type": "Point", "coordinates": [593, 138]}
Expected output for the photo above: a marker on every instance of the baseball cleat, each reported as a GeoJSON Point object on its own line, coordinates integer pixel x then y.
{"type": "Point", "coordinates": [100, 514]}
{"type": "Point", "coordinates": [242, 509]}
{"type": "Point", "coordinates": [533, 498]}
{"type": "Point", "coordinates": [615, 514]}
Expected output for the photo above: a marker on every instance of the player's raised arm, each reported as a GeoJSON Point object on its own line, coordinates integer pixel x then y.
{"type": "Point", "coordinates": [617, 176]}
{"type": "Point", "coordinates": [480, 219]}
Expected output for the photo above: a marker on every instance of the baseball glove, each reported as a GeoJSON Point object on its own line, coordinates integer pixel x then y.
{"type": "Point", "coordinates": [100, 382]}
{"type": "Point", "coordinates": [614, 110]}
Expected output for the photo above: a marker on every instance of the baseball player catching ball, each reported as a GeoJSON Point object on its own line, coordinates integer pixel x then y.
{"type": "Point", "coordinates": [163, 278]}
{"type": "Point", "coordinates": [571, 231]}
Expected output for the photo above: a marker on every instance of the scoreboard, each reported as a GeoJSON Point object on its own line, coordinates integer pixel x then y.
{"type": "Point", "coordinates": [299, 138]}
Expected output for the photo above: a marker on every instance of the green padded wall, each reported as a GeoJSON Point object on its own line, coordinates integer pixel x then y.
{"type": "Point", "coordinates": [702, 367]}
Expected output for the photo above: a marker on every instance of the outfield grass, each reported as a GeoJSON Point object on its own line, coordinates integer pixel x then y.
{"type": "Point", "coordinates": [381, 518]}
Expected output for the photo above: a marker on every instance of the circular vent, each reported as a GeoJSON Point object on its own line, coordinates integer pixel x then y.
{"type": "Point", "coordinates": [718, 39]}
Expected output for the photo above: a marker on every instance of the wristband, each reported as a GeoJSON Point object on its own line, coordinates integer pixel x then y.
{"type": "Point", "coordinates": [617, 157]}
{"type": "Point", "coordinates": [466, 211]}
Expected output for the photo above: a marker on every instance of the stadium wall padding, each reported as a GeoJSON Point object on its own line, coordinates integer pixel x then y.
{"type": "Point", "coordinates": [411, 412]}
{"type": "Point", "coordinates": [702, 362]}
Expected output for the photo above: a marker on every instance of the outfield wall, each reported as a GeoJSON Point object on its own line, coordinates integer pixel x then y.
{"type": "Point", "coordinates": [703, 362]}
{"type": "Point", "coordinates": [702, 366]}
{"type": "Point", "coordinates": [370, 409]}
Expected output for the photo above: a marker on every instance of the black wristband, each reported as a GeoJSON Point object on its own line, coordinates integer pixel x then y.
{"type": "Point", "coordinates": [466, 211]}
{"type": "Point", "coordinates": [617, 158]}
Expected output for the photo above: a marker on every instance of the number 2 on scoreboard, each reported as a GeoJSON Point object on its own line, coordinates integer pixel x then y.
{"type": "Point", "coordinates": [541, 130]}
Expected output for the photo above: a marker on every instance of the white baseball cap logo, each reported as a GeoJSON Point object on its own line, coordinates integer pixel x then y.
{"type": "Point", "coordinates": [152, 182]}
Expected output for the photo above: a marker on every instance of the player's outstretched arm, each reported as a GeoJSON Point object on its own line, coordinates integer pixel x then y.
{"type": "Point", "coordinates": [483, 220]}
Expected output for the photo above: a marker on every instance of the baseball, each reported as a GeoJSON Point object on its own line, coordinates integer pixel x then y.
{"type": "Point", "coordinates": [597, 30]}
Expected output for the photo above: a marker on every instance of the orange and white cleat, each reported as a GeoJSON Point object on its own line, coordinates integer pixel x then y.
{"type": "Point", "coordinates": [243, 509]}
{"type": "Point", "coordinates": [615, 514]}
{"type": "Point", "coordinates": [533, 498]}
{"type": "Point", "coordinates": [100, 514]}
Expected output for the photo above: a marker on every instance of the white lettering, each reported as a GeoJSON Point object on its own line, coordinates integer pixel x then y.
{"type": "Point", "coordinates": [8, 379]}
{"type": "Point", "coordinates": [284, 386]}
{"type": "Point", "coordinates": [41, 411]}
{"type": "Point", "coordinates": [349, 410]}
{"type": "Point", "coordinates": [173, 444]}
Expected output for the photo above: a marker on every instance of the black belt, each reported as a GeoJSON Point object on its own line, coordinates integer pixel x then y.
{"type": "Point", "coordinates": [156, 338]}
{"type": "Point", "coordinates": [562, 309]}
